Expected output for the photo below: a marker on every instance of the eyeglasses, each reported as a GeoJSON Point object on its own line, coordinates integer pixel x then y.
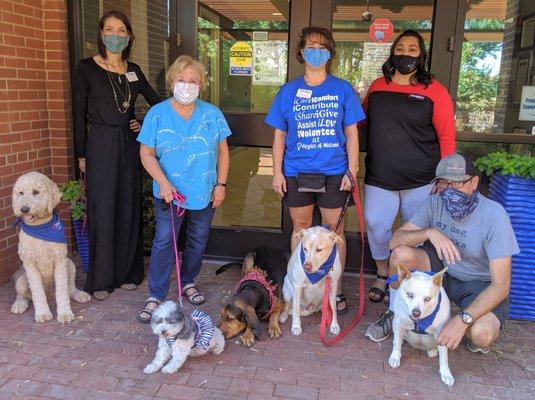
{"type": "Point", "coordinates": [443, 184]}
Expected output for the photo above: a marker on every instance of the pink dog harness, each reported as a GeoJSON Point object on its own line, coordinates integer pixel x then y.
{"type": "Point", "coordinates": [259, 277]}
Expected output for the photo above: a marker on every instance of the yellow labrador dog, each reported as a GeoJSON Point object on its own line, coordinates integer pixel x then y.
{"type": "Point", "coordinates": [314, 258]}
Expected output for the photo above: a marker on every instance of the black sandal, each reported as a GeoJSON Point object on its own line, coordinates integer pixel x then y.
{"type": "Point", "coordinates": [194, 296]}
{"type": "Point", "coordinates": [340, 298]}
{"type": "Point", "coordinates": [377, 291]}
{"type": "Point", "coordinates": [146, 313]}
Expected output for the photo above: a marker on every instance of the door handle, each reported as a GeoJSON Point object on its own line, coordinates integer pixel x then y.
{"type": "Point", "coordinates": [451, 43]}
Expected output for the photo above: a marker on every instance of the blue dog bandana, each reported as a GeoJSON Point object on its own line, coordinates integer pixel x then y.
{"type": "Point", "coordinates": [322, 272]}
{"type": "Point", "coordinates": [458, 204]}
{"type": "Point", "coordinates": [52, 231]}
{"type": "Point", "coordinates": [422, 324]}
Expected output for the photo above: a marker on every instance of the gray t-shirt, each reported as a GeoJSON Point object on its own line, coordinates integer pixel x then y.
{"type": "Point", "coordinates": [484, 235]}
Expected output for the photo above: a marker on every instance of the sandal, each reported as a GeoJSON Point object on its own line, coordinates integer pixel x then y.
{"type": "Point", "coordinates": [376, 291]}
{"type": "Point", "coordinates": [340, 298]}
{"type": "Point", "coordinates": [193, 295]}
{"type": "Point", "coordinates": [146, 313]}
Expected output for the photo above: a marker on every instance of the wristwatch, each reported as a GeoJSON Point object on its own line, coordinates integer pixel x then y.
{"type": "Point", "coordinates": [467, 318]}
{"type": "Point", "coordinates": [221, 184]}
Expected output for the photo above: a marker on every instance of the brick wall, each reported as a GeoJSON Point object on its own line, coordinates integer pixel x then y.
{"type": "Point", "coordinates": [35, 111]}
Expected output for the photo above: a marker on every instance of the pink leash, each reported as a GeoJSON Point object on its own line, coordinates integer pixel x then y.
{"type": "Point", "coordinates": [180, 199]}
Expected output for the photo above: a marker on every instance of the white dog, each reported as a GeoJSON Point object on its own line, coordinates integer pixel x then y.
{"type": "Point", "coordinates": [181, 335]}
{"type": "Point", "coordinates": [314, 258]}
{"type": "Point", "coordinates": [421, 310]}
{"type": "Point", "coordinates": [43, 251]}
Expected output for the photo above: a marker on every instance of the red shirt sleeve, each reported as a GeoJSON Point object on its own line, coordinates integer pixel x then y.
{"type": "Point", "coordinates": [444, 120]}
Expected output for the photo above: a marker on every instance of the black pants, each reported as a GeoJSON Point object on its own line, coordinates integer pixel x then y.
{"type": "Point", "coordinates": [113, 173]}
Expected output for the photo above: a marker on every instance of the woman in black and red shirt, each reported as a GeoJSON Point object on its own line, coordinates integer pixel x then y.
{"type": "Point", "coordinates": [410, 128]}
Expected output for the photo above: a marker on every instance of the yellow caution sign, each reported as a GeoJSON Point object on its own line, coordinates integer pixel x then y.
{"type": "Point", "coordinates": [241, 59]}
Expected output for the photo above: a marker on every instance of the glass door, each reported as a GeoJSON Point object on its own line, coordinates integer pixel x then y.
{"type": "Point", "coordinates": [244, 45]}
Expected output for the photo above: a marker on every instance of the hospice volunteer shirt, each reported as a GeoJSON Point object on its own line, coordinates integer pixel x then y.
{"type": "Point", "coordinates": [314, 118]}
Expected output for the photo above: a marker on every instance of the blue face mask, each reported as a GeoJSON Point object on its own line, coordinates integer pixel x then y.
{"type": "Point", "coordinates": [115, 43]}
{"type": "Point", "coordinates": [457, 203]}
{"type": "Point", "coordinates": [316, 57]}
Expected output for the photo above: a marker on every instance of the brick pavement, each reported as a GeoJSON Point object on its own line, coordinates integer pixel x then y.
{"type": "Point", "coordinates": [101, 356]}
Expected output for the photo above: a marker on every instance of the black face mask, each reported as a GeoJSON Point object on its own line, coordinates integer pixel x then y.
{"type": "Point", "coordinates": [405, 64]}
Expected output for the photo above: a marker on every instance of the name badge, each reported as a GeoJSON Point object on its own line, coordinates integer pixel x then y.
{"type": "Point", "coordinates": [304, 93]}
{"type": "Point", "coordinates": [131, 76]}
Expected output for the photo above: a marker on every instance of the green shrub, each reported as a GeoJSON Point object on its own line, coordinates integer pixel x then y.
{"type": "Point", "coordinates": [73, 192]}
{"type": "Point", "coordinates": [507, 164]}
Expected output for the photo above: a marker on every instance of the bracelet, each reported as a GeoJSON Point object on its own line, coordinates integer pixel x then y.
{"type": "Point", "coordinates": [221, 184]}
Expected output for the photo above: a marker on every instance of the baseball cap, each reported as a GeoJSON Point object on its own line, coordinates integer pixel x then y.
{"type": "Point", "coordinates": [455, 167]}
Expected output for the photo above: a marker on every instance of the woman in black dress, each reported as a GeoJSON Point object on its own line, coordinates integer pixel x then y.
{"type": "Point", "coordinates": [107, 86]}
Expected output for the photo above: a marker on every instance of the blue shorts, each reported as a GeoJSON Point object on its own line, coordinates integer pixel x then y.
{"type": "Point", "coordinates": [463, 293]}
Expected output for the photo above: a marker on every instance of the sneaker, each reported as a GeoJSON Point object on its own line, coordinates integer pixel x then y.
{"type": "Point", "coordinates": [381, 329]}
{"type": "Point", "coordinates": [474, 348]}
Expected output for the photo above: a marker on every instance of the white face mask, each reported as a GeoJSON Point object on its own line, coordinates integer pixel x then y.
{"type": "Point", "coordinates": [186, 93]}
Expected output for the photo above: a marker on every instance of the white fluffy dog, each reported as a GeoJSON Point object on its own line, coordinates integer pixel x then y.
{"type": "Point", "coordinates": [180, 336]}
{"type": "Point", "coordinates": [45, 261]}
{"type": "Point", "coordinates": [304, 283]}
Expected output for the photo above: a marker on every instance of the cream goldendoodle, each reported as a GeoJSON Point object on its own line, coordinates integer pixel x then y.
{"type": "Point", "coordinates": [43, 251]}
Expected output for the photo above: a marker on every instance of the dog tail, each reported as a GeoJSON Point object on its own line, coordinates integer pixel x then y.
{"type": "Point", "coordinates": [227, 266]}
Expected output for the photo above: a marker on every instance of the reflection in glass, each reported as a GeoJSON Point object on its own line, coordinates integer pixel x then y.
{"type": "Point", "coordinates": [250, 199]}
{"type": "Point", "coordinates": [497, 63]}
{"type": "Point", "coordinates": [260, 30]}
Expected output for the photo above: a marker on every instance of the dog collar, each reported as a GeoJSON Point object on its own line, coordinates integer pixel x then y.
{"type": "Point", "coordinates": [422, 324]}
{"type": "Point", "coordinates": [51, 231]}
{"type": "Point", "coordinates": [259, 277]}
{"type": "Point", "coordinates": [322, 272]}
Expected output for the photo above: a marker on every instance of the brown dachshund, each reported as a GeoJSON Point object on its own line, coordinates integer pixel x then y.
{"type": "Point", "coordinates": [258, 296]}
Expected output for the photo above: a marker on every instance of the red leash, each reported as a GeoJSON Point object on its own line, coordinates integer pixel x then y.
{"type": "Point", "coordinates": [326, 312]}
{"type": "Point", "coordinates": [180, 199]}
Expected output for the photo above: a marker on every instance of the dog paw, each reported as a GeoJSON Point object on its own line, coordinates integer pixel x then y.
{"type": "Point", "coordinates": [283, 317]}
{"type": "Point", "coordinates": [168, 369]}
{"type": "Point", "coordinates": [150, 369]}
{"type": "Point", "coordinates": [296, 330]}
{"type": "Point", "coordinates": [447, 378]}
{"type": "Point", "coordinates": [394, 362]}
{"type": "Point", "coordinates": [432, 352]}
{"type": "Point", "coordinates": [20, 306]}
{"type": "Point", "coordinates": [43, 317]}
{"type": "Point", "coordinates": [247, 339]}
{"type": "Point", "coordinates": [81, 297]}
{"type": "Point", "coordinates": [274, 332]}
{"type": "Point", "coordinates": [65, 317]}
{"type": "Point", "coordinates": [334, 329]}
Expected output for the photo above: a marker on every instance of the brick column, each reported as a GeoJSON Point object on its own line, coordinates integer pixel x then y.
{"type": "Point", "coordinates": [35, 110]}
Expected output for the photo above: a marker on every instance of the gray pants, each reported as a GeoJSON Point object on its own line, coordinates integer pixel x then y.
{"type": "Point", "coordinates": [380, 209]}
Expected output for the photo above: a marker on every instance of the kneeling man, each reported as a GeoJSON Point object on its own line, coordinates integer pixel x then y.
{"type": "Point", "coordinates": [470, 234]}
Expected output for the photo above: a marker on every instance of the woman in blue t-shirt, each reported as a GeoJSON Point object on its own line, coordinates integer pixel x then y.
{"type": "Point", "coordinates": [315, 119]}
{"type": "Point", "coordinates": [184, 148]}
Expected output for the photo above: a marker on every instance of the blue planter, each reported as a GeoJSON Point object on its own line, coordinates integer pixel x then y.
{"type": "Point", "coordinates": [517, 196]}
{"type": "Point", "coordinates": [82, 241]}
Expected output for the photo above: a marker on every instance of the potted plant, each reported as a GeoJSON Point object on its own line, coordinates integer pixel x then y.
{"type": "Point", "coordinates": [73, 192]}
{"type": "Point", "coordinates": [512, 184]}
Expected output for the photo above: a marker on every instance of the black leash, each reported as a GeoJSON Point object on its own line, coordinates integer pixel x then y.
{"type": "Point", "coordinates": [348, 199]}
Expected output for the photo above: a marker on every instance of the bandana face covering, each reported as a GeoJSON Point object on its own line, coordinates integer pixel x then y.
{"type": "Point", "coordinates": [405, 64]}
{"type": "Point", "coordinates": [115, 43]}
{"type": "Point", "coordinates": [316, 57]}
{"type": "Point", "coordinates": [186, 93]}
{"type": "Point", "coordinates": [457, 203]}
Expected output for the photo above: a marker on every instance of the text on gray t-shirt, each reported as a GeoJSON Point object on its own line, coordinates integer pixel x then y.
{"type": "Point", "coordinates": [482, 236]}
